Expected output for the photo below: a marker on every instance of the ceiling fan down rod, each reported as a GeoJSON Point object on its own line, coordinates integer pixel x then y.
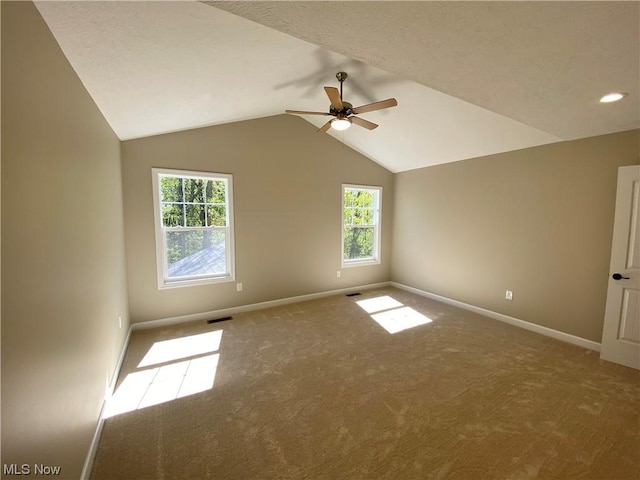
{"type": "Point", "coordinates": [341, 76]}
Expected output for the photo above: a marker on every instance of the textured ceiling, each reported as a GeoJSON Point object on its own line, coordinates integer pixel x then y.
{"type": "Point", "coordinates": [545, 64]}
{"type": "Point", "coordinates": [471, 78]}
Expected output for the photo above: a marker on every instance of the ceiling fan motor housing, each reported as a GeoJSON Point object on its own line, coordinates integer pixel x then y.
{"type": "Point", "coordinates": [347, 109]}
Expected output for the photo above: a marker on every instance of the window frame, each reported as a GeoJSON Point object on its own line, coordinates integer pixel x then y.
{"type": "Point", "coordinates": [164, 281]}
{"type": "Point", "coordinates": [377, 227]}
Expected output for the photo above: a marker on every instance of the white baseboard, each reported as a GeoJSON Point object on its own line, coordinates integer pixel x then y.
{"type": "Point", "coordinates": [164, 322]}
{"type": "Point", "coordinates": [93, 448]}
{"type": "Point", "coordinates": [549, 332]}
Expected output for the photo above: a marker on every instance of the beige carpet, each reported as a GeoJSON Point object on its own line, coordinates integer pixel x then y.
{"type": "Point", "coordinates": [319, 390]}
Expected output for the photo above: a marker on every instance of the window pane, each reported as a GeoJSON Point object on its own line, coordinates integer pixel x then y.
{"type": "Point", "coordinates": [196, 252]}
{"type": "Point", "coordinates": [219, 194]}
{"type": "Point", "coordinates": [357, 217]}
{"type": "Point", "coordinates": [217, 215]}
{"type": "Point", "coordinates": [172, 215]}
{"type": "Point", "coordinates": [367, 216]}
{"type": "Point", "coordinates": [358, 198]}
{"type": "Point", "coordinates": [349, 196]}
{"type": "Point", "coordinates": [348, 216]}
{"type": "Point", "coordinates": [208, 196]}
{"type": "Point", "coordinates": [358, 242]}
{"type": "Point", "coordinates": [364, 199]}
{"type": "Point", "coordinates": [171, 189]}
{"type": "Point", "coordinates": [363, 216]}
{"type": "Point", "coordinates": [193, 190]}
{"type": "Point", "coordinates": [195, 215]}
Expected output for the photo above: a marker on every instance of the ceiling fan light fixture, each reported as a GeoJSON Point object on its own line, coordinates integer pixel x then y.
{"type": "Point", "coordinates": [340, 124]}
{"type": "Point", "coordinates": [342, 110]}
{"type": "Point", "coordinates": [613, 97]}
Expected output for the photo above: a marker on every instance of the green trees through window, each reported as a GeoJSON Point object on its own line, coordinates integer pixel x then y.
{"type": "Point", "coordinates": [194, 230]}
{"type": "Point", "coordinates": [192, 202]}
{"type": "Point", "coordinates": [361, 210]}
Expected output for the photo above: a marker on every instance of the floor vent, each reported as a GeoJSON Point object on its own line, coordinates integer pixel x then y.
{"type": "Point", "coordinates": [216, 320]}
{"type": "Point", "coordinates": [353, 294]}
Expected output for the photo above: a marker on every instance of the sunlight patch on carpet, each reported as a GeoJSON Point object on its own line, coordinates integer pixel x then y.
{"type": "Point", "coordinates": [399, 319]}
{"type": "Point", "coordinates": [176, 348]}
{"type": "Point", "coordinates": [392, 315]}
{"type": "Point", "coordinates": [153, 386]}
{"type": "Point", "coordinates": [377, 304]}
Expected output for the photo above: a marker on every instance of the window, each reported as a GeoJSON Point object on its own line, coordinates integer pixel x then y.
{"type": "Point", "coordinates": [194, 227]}
{"type": "Point", "coordinates": [361, 225]}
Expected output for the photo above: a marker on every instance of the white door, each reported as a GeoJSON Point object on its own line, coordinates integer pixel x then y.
{"type": "Point", "coordinates": [621, 333]}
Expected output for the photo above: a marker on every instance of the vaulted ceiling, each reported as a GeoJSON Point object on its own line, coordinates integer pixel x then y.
{"type": "Point", "coordinates": [471, 78]}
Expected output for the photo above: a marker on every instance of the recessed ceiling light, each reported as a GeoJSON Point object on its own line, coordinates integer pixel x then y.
{"type": "Point", "coordinates": [613, 97]}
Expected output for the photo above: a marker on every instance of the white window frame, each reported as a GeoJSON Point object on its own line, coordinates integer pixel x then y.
{"type": "Point", "coordinates": [161, 252]}
{"type": "Point", "coordinates": [375, 258]}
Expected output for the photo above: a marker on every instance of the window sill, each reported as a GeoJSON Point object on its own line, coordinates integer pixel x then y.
{"type": "Point", "coordinates": [195, 282]}
{"type": "Point", "coordinates": [360, 263]}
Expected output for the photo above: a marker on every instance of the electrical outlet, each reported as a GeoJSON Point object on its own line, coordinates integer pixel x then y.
{"type": "Point", "coordinates": [338, 274]}
{"type": "Point", "coordinates": [120, 321]}
{"type": "Point", "coordinates": [239, 287]}
{"type": "Point", "coordinates": [508, 295]}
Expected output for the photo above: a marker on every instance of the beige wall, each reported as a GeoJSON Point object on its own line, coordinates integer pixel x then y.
{"type": "Point", "coordinates": [63, 275]}
{"type": "Point", "coordinates": [287, 191]}
{"type": "Point", "coordinates": [536, 221]}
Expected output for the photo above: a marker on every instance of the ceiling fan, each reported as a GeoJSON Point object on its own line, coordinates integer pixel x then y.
{"type": "Point", "coordinates": [344, 112]}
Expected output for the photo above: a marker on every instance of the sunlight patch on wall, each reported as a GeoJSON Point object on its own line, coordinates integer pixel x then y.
{"type": "Point", "coordinates": [392, 315]}
{"type": "Point", "coordinates": [153, 386]}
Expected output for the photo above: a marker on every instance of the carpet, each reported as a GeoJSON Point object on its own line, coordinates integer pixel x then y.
{"type": "Point", "coordinates": [322, 390]}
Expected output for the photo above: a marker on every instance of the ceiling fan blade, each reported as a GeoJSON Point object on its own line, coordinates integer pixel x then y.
{"type": "Point", "coordinates": [390, 102]}
{"type": "Point", "coordinates": [363, 123]}
{"type": "Point", "coordinates": [324, 127]}
{"type": "Point", "coordinates": [301, 112]}
{"type": "Point", "coordinates": [334, 95]}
